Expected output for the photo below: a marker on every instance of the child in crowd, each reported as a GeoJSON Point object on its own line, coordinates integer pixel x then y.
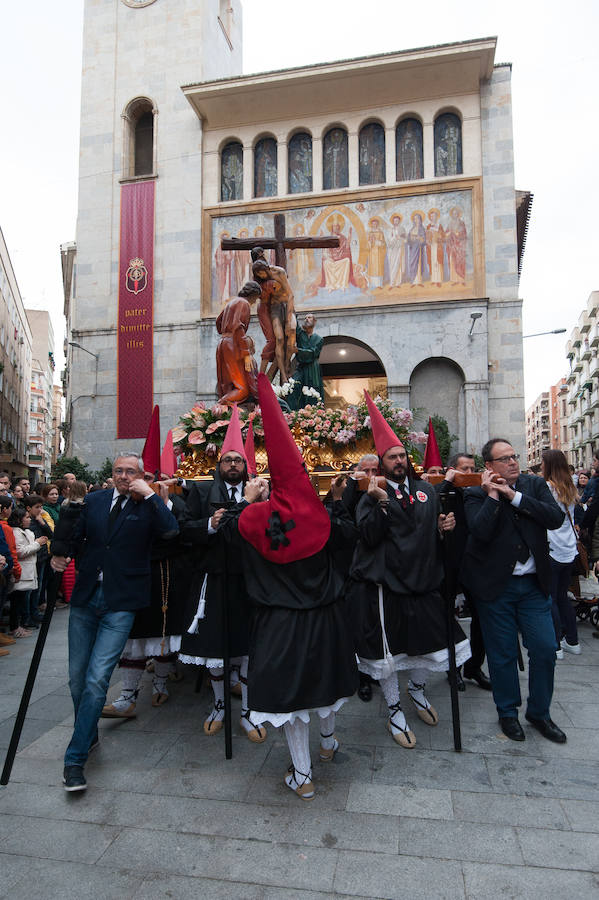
{"type": "Point", "coordinates": [22, 614]}
{"type": "Point", "coordinates": [34, 505]}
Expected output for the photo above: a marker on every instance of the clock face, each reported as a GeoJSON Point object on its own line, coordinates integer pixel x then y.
{"type": "Point", "coordinates": [134, 4]}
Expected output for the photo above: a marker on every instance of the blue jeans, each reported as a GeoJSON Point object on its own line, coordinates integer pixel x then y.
{"type": "Point", "coordinates": [97, 636]}
{"type": "Point", "coordinates": [522, 607]}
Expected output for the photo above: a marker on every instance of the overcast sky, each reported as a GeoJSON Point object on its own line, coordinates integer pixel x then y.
{"type": "Point", "coordinates": [551, 45]}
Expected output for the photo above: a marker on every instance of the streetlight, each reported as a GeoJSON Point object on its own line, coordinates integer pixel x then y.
{"type": "Point", "coordinates": [95, 356]}
{"type": "Point", "coordinates": [539, 333]}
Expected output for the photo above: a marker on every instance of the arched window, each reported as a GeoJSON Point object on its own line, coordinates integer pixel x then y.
{"type": "Point", "coordinates": [265, 168]}
{"type": "Point", "coordinates": [408, 150]}
{"type": "Point", "coordinates": [372, 154]}
{"type": "Point", "coordinates": [300, 163]}
{"type": "Point", "coordinates": [231, 172]}
{"type": "Point", "coordinates": [139, 156]}
{"type": "Point", "coordinates": [448, 145]}
{"type": "Point", "coordinates": [335, 169]}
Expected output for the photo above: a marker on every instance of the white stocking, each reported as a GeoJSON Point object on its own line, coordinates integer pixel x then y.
{"type": "Point", "coordinates": [218, 688]}
{"type": "Point", "coordinates": [416, 686]}
{"type": "Point", "coordinates": [327, 727]}
{"type": "Point", "coordinates": [129, 687]}
{"type": "Point", "coordinates": [390, 689]}
{"type": "Point", "coordinates": [161, 670]}
{"type": "Point", "coordinates": [298, 739]}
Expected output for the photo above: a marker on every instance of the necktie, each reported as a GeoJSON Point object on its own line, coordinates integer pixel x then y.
{"type": "Point", "coordinates": [114, 512]}
{"type": "Point", "coordinates": [233, 494]}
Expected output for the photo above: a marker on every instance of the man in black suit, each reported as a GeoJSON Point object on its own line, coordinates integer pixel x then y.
{"type": "Point", "coordinates": [115, 532]}
{"type": "Point", "coordinates": [506, 569]}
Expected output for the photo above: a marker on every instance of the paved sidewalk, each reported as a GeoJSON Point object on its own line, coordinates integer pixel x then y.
{"type": "Point", "coordinates": [166, 816]}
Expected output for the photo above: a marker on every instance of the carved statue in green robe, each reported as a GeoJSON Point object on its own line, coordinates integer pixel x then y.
{"type": "Point", "coordinates": [307, 373]}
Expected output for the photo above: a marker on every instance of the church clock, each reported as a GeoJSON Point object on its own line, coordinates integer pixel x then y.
{"type": "Point", "coordinates": [134, 4]}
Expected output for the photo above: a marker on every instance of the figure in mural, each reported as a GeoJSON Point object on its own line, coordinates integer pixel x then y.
{"type": "Point", "coordinates": [276, 315]}
{"type": "Point", "coordinates": [300, 164]}
{"type": "Point", "coordinates": [456, 246]}
{"type": "Point", "coordinates": [307, 373]}
{"type": "Point", "coordinates": [300, 260]}
{"type": "Point", "coordinates": [396, 251]}
{"type": "Point", "coordinates": [268, 255]}
{"type": "Point", "coordinates": [377, 252]}
{"type": "Point", "coordinates": [236, 369]}
{"type": "Point", "coordinates": [242, 262]}
{"type": "Point", "coordinates": [435, 247]}
{"type": "Point", "coordinates": [223, 267]}
{"type": "Point", "coordinates": [409, 150]}
{"type": "Point", "coordinates": [232, 172]}
{"type": "Point", "coordinates": [335, 167]}
{"type": "Point", "coordinates": [337, 266]}
{"type": "Point", "coordinates": [417, 265]}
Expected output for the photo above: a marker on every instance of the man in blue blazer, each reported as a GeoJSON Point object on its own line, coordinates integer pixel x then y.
{"type": "Point", "coordinates": [506, 569]}
{"type": "Point", "coordinates": [112, 542]}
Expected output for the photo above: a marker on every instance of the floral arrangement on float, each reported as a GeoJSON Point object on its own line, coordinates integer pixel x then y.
{"type": "Point", "coordinates": [327, 438]}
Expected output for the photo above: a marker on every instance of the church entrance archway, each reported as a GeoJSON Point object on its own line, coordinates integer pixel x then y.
{"type": "Point", "coordinates": [437, 389]}
{"type": "Point", "coordinates": [349, 367]}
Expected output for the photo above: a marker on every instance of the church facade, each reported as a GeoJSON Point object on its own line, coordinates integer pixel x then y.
{"type": "Point", "coordinates": [407, 158]}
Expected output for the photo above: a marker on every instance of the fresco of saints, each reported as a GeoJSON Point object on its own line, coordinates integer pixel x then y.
{"type": "Point", "coordinates": [377, 252]}
{"type": "Point", "coordinates": [337, 267]}
{"type": "Point", "coordinates": [417, 264]}
{"type": "Point", "coordinates": [435, 247]}
{"type": "Point", "coordinates": [456, 246]}
{"type": "Point", "coordinates": [396, 251]}
{"type": "Point", "coordinates": [223, 265]}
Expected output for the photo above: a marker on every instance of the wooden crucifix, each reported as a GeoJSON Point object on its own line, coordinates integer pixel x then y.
{"type": "Point", "coordinates": [279, 242]}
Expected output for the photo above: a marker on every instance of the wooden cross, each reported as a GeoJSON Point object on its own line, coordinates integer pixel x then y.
{"type": "Point", "coordinates": [279, 242]}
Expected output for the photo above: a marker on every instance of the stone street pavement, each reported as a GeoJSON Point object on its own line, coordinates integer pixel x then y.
{"type": "Point", "coordinates": [165, 815]}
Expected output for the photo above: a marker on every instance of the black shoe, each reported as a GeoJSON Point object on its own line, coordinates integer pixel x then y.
{"type": "Point", "coordinates": [365, 691]}
{"type": "Point", "coordinates": [459, 679]}
{"type": "Point", "coordinates": [74, 779]}
{"type": "Point", "coordinates": [31, 624]}
{"type": "Point", "coordinates": [512, 728]}
{"type": "Point", "coordinates": [480, 678]}
{"type": "Point", "coordinates": [548, 729]}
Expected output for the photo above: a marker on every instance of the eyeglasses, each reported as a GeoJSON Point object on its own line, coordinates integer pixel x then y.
{"type": "Point", "coordinates": [126, 472]}
{"type": "Point", "coordinates": [506, 459]}
{"type": "Point", "coordinates": [230, 461]}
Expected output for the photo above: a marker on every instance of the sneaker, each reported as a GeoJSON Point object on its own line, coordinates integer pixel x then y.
{"type": "Point", "coordinates": [74, 779]}
{"type": "Point", "coordinates": [570, 648]}
{"type": "Point", "coordinates": [559, 654]}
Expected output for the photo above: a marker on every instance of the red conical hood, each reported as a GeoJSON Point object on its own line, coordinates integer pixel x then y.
{"type": "Point", "coordinates": [383, 434]}
{"type": "Point", "coordinates": [233, 440]}
{"type": "Point", "coordinates": [293, 523]}
{"type": "Point", "coordinates": [250, 453]}
{"type": "Point", "coordinates": [168, 460]}
{"type": "Point", "coordinates": [151, 451]}
{"type": "Point", "coordinates": [432, 457]}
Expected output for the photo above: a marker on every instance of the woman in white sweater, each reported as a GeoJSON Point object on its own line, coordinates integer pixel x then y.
{"type": "Point", "coordinates": [562, 550]}
{"type": "Point", "coordinates": [28, 547]}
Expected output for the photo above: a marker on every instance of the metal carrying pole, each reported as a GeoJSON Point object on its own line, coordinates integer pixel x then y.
{"type": "Point", "coordinates": [447, 505]}
{"type": "Point", "coordinates": [31, 676]}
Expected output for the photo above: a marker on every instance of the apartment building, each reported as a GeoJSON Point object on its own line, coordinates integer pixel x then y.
{"type": "Point", "coordinates": [582, 380]}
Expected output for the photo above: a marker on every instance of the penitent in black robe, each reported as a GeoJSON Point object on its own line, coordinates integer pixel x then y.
{"type": "Point", "coordinates": [301, 653]}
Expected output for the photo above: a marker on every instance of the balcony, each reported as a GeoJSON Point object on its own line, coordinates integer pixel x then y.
{"type": "Point", "coordinates": [586, 351]}
{"type": "Point", "coordinates": [577, 367]}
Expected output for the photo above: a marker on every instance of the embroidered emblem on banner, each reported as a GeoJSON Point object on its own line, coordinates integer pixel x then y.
{"type": "Point", "coordinates": [136, 276]}
{"type": "Point", "coordinates": [422, 496]}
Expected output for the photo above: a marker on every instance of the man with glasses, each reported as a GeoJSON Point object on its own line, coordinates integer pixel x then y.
{"type": "Point", "coordinates": [506, 568]}
{"type": "Point", "coordinates": [118, 527]}
{"type": "Point", "coordinates": [217, 579]}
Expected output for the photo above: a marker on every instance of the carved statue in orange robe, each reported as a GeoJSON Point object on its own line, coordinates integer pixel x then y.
{"type": "Point", "coordinates": [236, 369]}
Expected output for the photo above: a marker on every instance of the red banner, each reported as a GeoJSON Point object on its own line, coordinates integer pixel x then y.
{"type": "Point", "coordinates": [135, 384]}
